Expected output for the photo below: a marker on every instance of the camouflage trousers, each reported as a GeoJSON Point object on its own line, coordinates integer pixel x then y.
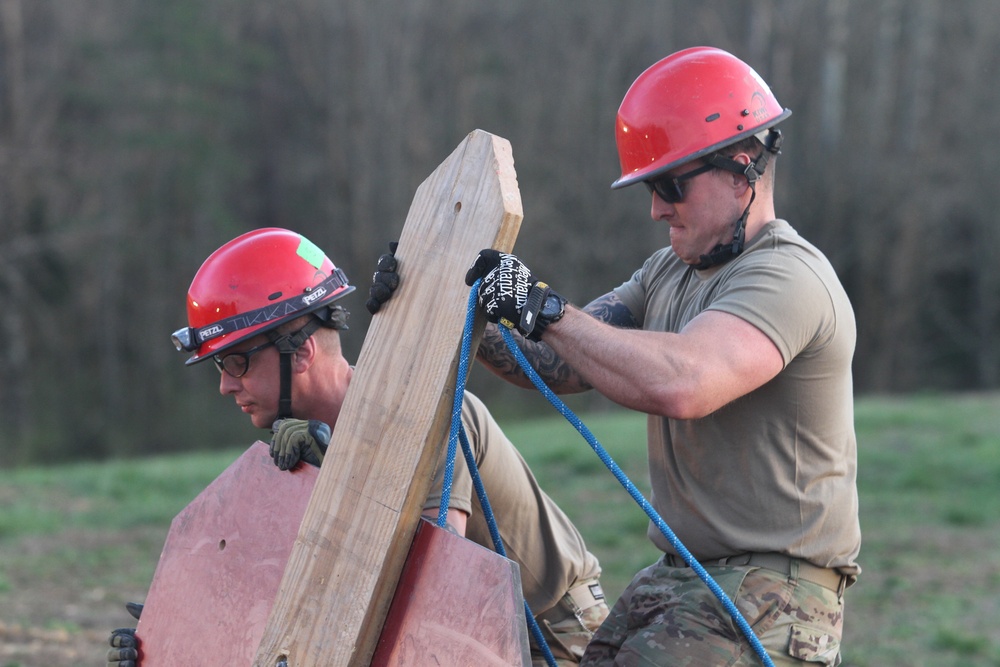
{"type": "Point", "coordinates": [668, 616]}
{"type": "Point", "coordinates": [569, 626]}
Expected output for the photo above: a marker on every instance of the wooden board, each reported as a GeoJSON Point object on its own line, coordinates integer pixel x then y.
{"type": "Point", "coordinates": [221, 564]}
{"type": "Point", "coordinates": [364, 510]}
{"type": "Point", "coordinates": [457, 603]}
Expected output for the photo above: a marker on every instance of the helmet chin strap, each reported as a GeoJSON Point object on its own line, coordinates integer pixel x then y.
{"type": "Point", "coordinates": [752, 171]}
{"type": "Point", "coordinates": [287, 345]}
{"type": "Point", "coordinates": [724, 252]}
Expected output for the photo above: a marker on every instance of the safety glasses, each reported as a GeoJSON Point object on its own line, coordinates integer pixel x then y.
{"type": "Point", "coordinates": [669, 188]}
{"type": "Point", "coordinates": [237, 364]}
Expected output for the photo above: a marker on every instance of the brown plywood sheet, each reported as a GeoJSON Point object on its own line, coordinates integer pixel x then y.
{"type": "Point", "coordinates": [221, 565]}
{"type": "Point", "coordinates": [457, 604]}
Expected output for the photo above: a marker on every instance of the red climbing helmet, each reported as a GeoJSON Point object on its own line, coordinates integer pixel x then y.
{"type": "Point", "coordinates": [687, 106]}
{"type": "Point", "coordinates": [255, 283]}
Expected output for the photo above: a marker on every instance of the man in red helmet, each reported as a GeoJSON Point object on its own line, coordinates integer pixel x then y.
{"type": "Point", "coordinates": [737, 341]}
{"type": "Point", "coordinates": [263, 309]}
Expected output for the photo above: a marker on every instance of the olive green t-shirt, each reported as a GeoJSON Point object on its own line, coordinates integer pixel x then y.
{"type": "Point", "coordinates": [775, 470]}
{"type": "Point", "coordinates": [536, 533]}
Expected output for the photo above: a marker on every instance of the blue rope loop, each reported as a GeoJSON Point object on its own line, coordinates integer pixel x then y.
{"type": "Point", "coordinates": [457, 432]}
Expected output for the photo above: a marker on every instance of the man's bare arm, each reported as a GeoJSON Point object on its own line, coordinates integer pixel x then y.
{"type": "Point", "coordinates": [557, 374]}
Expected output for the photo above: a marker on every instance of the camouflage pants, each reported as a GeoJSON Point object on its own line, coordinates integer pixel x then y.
{"type": "Point", "coordinates": [567, 630]}
{"type": "Point", "coordinates": [668, 616]}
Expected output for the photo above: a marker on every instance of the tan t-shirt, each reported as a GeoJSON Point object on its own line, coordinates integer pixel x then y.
{"type": "Point", "coordinates": [775, 470]}
{"type": "Point", "coordinates": [536, 533]}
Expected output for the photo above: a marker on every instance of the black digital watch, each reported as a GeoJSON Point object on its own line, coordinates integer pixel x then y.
{"type": "Point", "coordinates": [552, 310]}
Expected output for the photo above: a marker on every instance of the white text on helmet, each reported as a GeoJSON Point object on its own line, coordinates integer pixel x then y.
{"type": "Point", "coordinates": [315, 295]}
{"type": "Point", "coordinates": [211, 331]}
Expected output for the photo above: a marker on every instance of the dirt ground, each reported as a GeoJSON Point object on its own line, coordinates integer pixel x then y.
{"type": "Point", "coordinates": [57, 615]}
{"type": "Point", "coordinates": [40, 646]}
{"type": "Point", "coordinates": [34, 647]}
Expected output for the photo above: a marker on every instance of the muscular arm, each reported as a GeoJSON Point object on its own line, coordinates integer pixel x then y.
{"type": "Point", "coordinates": [714, 360]}
{"type": "Point", "coordinates": [560, 376]}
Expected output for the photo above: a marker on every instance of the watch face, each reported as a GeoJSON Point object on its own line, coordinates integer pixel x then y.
{"type": "Point", "coordinates": [552, 306]}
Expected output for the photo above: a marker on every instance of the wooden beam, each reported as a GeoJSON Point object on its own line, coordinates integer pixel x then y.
{"type": "Point", "coordinates": [364, 509]}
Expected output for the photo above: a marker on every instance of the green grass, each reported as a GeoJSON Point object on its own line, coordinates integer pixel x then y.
{"type": "Point", "coordinates": [930, 510]}
{"type": "Point", "coordinates": [928, 482]}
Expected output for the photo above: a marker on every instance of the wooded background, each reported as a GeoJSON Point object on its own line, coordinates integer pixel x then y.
{"type": "Point", "coordinates": [137, 137]}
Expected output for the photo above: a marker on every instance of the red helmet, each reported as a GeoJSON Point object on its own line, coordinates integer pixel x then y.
{"type": "Point", "coordinates": [255, 283]}
{"type": "Point", "coordinates": [686, 106]}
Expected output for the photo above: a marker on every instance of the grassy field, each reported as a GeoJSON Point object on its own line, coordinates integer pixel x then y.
{"type": "Point", "coordinates": [77, 541]}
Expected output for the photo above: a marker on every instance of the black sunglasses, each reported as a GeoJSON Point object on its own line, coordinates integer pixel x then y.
{"type": "Point", "coordinates": [237, 364]}
{"type": "Point", "coordinates": [668, 188]}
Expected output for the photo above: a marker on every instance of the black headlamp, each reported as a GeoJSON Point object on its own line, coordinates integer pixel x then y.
{"type": "Point", "coordinates": [185, 340]}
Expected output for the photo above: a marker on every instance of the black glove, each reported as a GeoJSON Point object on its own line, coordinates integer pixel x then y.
{"type": "Point", "coordinates": [384, 281]}
{"type": "Point", "coordinates": [510, 294]}
{"type": "Point", "coordinates": [297, 440]}
{"type": "Point", "coordinates": [124, 651]}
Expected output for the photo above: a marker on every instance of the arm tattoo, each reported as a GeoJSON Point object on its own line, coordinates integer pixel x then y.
{"type": "Point", "coordinates": [493, 352]}
{"type": "Point", "coordinates": [554, 371]}
{"type": "Point", "coordinates": [609, 308]}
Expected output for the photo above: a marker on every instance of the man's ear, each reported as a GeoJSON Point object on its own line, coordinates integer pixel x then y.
{"type": "Point", "coordinates": [305, 356]}
{"type": "Point", "coordinates": [740, 183]}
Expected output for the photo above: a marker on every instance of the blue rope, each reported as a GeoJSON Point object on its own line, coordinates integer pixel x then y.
{"type": "Point", "coordinates": [491, 523]}
{"type": "Point", "coordinates": [458, 431]}
{"type": "Point", "coordinates": [456, 410]}
{"type": "Point", "coordinates": [637, 496]}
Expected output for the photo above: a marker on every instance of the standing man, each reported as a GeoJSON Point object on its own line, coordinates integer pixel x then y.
{"type": "Point", "coordinates": [263, 309]}
{"type": "Point", "coordinates": [737, 341]}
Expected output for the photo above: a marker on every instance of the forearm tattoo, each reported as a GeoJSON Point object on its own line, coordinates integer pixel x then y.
{"type": "Point", "coordinates": [610, 309]}
{"type": "Point", "coordinates": [493, 351]}
{"type": "Point", "coordinates": [554, 371]}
